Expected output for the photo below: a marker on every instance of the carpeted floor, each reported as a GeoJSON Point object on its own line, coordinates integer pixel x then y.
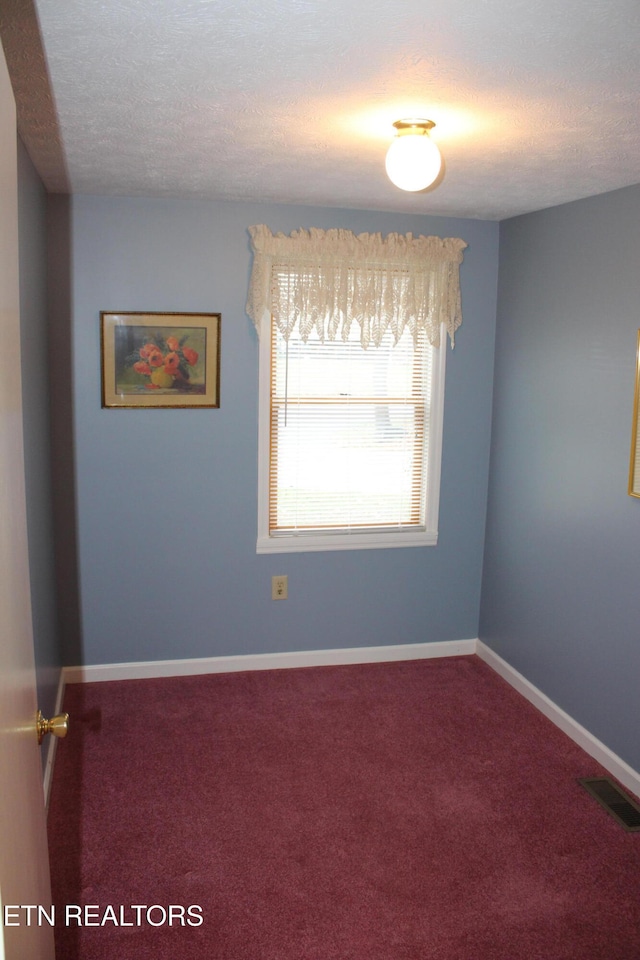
{"type": "Point", "coordinates": [403, 811]}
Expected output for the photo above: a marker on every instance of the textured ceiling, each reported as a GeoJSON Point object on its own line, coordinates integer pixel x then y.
{"type": "Point", "coordinates": [535, 102]}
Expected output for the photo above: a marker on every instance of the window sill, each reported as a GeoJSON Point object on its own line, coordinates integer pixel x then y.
{"type": "Point", "coordinates": [349, 541]}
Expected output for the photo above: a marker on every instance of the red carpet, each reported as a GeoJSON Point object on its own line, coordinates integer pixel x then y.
{"type": "Point", "coordinates": [405, 811]}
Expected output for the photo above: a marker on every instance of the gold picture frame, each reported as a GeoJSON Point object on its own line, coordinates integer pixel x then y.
{"type": "Point", "coordinates": [160, 359]}
{"type": "Point", "coordinates": [634, 465]}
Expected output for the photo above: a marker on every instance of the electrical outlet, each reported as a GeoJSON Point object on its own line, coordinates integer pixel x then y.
{"type": "Point", "coordinates": [279, 588]}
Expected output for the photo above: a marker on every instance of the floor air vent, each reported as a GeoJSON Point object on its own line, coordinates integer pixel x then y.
{"type": "Point", "coordinates": [614, 800]}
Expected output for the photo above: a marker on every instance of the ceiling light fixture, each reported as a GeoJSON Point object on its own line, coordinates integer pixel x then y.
{"type": "Point", "coordinates": [413, 159]}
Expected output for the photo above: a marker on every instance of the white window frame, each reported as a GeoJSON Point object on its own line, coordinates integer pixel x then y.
{"type": "Point", "coordinates": [302, 542]}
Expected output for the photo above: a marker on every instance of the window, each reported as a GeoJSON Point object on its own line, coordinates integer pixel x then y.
{"type": "Point", "coordinates": [349, 443]}
{"type": "Point", "coordinates": [350, 417]}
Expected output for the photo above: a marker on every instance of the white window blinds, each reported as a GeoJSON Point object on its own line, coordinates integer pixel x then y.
{"type": "Point", "coordinates": [349, 434]}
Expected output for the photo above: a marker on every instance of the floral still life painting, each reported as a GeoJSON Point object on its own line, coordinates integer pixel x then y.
{"type": "Point", "coordinates": [160, 360]}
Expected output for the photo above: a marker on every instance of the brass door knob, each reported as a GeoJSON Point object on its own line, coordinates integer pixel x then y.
{"type": "Point", "coordinates": [58, 726]}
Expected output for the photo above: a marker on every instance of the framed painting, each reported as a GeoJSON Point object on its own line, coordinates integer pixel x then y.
{"type": "Point", "coordinates": [634, 466]}
{"type": "Point", "coordinates": [160, 359]}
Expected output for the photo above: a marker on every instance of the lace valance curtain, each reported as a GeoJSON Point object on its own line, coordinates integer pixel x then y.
{"type": "Point", "coordinates": [326, 280]}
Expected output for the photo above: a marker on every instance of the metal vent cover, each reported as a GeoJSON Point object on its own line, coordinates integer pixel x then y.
{"type": "Point", "coordinates": [615, 801]}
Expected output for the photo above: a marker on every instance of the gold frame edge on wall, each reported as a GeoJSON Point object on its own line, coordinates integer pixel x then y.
{"type": "Point", "coordinates": [634, 464]}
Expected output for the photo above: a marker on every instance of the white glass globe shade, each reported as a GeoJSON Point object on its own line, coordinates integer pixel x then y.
{"type": "Point", "coordinates": [413, 161]}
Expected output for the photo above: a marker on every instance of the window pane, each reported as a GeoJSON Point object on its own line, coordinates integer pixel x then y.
{"type": "Point", "coordinates": [349, 432]}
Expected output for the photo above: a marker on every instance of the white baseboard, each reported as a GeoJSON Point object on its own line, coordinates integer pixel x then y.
{"type": "Point", "coordinates": [52, 742]}
{"type": "Point", "coordinates": [616, 766]}
{"type": "Point", "coordinates": [267, 661]}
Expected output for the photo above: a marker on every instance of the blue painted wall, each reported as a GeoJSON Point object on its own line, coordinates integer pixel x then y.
{"type": "Point", "coordinates": [34, 343]}
{"type": "Point", "coordinates": [166, 499]}
{"type": "Point", "coordinates": [561, 593]}
{"type": "Point", "coordinates": [62, 424]}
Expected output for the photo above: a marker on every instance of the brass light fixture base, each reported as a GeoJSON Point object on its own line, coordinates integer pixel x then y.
{"type": "Point", "coordinates": [414, 123]}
